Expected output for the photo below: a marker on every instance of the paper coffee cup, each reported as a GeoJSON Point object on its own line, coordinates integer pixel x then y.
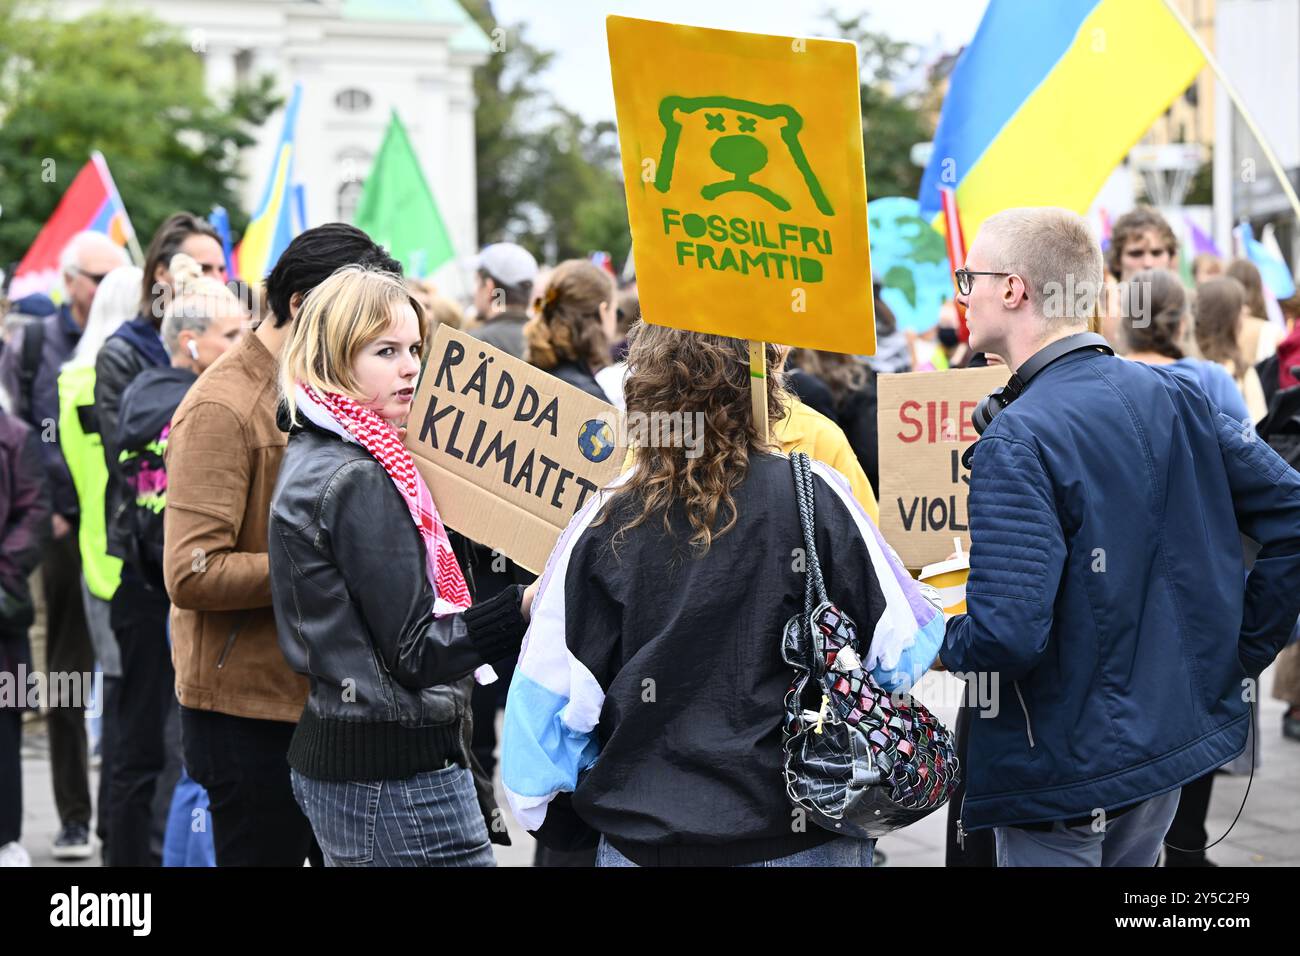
{"type": "Point", "coordinates": [949, 579]}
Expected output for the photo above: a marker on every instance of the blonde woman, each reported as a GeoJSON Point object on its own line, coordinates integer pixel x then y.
{"type": "Point", "coordinates": [370, 603]}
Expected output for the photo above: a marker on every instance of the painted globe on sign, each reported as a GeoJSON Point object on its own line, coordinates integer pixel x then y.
{"type": "Point", "coordinates": [596, 440]}
{"type": "Point", "coordinates": [909, 258]}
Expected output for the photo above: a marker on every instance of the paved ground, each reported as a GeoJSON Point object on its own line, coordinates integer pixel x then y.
{"type": "Point", "coordinates": [1268, 833]}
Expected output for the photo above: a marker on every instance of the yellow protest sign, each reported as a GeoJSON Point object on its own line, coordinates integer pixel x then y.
{"type": "Point", "coordinates": [746, 184]}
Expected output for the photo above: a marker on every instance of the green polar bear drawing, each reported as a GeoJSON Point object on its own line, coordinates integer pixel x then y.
{"type": "Point", "coordinates": [740, 152]}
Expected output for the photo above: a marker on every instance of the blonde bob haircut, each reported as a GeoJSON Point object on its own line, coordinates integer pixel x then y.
{"type": "Point", "coordinates": [339, 318]}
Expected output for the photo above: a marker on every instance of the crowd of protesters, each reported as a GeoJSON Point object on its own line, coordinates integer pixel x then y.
{"type": "Point", "coordinates": [230, 529]}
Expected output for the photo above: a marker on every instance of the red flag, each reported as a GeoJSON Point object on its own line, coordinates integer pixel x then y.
{"type": "Point", "coordinates": [956, 249]}
{"type": "Point", "coordinates": [91, 204]}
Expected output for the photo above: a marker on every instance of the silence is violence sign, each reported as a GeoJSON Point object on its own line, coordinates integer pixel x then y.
{"type": "Point", "coordinates": [925, 426]}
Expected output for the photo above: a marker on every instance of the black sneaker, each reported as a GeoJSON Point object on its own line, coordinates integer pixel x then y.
{"type": "Point", "coordinates": [72, 843]}
{"type": "Point", "coordinates": [1291, 723]}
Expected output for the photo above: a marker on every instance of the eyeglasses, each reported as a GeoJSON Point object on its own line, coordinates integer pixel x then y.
{"type": "Point", "coordinates": [966, 279]}
{"type": "Point", "coordinates": [95, 277]}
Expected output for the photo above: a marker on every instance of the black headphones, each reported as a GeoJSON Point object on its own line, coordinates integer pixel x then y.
{"type": "Point", "coordinates": [991, 405]}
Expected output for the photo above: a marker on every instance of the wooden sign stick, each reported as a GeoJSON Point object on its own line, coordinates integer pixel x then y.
{"type": "Point", "coordinates": [758, 385]}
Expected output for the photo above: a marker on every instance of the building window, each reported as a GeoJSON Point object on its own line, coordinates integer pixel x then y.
{"type": "Point", "coordinates": [352, 100]}
{"type": "Point", "coordinates": [349, 196]}
{"type": "Point", "coordinates": [353, 164]}
{"type": "Point", "coordinates": [243, 67]}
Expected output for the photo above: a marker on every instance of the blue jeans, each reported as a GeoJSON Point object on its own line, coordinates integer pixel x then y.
{"type": "Point", "coordinates": [841, 851]}
{"type": "Point", "coordinates": [430, 819]}
{"type": "Point", "coordinates": [184, 843]}
{"type": "Point", "coordinates": [1131, 840]}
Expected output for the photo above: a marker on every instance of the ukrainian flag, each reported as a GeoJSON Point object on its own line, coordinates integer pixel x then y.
{"type": "Point", "coordinates": [1049, 98]}
{"type": "Point", "coordinates": [271, 228]}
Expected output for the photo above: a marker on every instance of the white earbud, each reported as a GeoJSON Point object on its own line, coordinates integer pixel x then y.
{"type": "Point", "coordinates": [194, 350]}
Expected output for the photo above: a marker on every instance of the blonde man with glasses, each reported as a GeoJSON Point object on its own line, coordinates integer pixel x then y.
{"type": "Point", "coordinates": [1106, 594]}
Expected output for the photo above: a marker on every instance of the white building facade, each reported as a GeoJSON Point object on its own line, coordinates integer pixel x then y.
{"type": "Point", "coordinates": [1258, 46]}
{"type": "Point", "coordinates": [357, 61]}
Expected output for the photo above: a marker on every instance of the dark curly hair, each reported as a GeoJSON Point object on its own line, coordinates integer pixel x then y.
{"type": "Point", "coordinates": [316, 255]}
{"type": "Point", "coordinates": [675, 371]}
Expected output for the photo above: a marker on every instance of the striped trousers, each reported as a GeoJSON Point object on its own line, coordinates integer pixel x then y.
{"type": "Point", "coordinates": [430, 819]}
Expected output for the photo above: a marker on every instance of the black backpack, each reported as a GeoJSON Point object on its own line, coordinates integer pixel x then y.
{"type": "Point", "coordinates": [29, 365]}
{"type": "Point", "coordinates": [143, 427]}
{"type": "Point", "coordinates": [1281, 426]}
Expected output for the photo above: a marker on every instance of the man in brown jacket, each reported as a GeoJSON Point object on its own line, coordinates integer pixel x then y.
{"type": "Point", "coordinates": [239, 699]}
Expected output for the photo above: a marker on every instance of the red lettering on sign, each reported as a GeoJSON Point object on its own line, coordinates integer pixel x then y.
{"type": "Point", "coordinates": [937, 425]}
{"type": "Point", "coordinates": [909, 406]}
{"type": "Point", "coordinates": [968, 432]}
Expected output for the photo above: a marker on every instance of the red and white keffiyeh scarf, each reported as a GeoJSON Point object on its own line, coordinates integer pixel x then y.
{"type": "Point", "coordinates": [354, 422]}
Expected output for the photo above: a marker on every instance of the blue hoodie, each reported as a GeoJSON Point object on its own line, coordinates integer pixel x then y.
{"type": "Point", "coordinates": [1105, 593]}
{"type": "Point", "coordinates": [144, 338]}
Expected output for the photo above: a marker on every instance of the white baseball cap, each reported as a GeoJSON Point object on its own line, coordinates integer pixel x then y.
{"type": "Point", "coordinates": [507, 263]}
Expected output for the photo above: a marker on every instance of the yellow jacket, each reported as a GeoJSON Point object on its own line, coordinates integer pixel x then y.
{"type": "Point", "coordinates": [84, 454]}
{"type": "Point", "coordinates": [811, 432]}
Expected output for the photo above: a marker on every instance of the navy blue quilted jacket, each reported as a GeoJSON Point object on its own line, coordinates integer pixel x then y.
{"type": "Point", "coordinates": [1106, 595]}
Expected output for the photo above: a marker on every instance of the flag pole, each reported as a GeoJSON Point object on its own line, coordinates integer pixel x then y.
{"type": "Point", "coordinates": [300, 206]}
{"type": "Point", "coordinates": [132, 242]}
{"type": "Point", "coordinates": [1278, 170]}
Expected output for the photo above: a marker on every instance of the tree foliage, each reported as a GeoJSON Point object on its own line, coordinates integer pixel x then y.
{"type": "Point", "coordinates": [891, 124]}
{"type": "Point", "coordinates": [133, 88]}
{"type": "Point", "coordinates": [546, 179]}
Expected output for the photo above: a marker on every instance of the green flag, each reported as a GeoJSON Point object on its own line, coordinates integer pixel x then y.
{"type": "Point", "coordinates": [397, 208]}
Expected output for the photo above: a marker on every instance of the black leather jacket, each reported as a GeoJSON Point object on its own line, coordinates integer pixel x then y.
{"type": "Point", "coordinates": [579, 376]}
{"type": "Point", "coordinates": [389, 683]}
{"type": "Point", "coordinates": [116, 367]}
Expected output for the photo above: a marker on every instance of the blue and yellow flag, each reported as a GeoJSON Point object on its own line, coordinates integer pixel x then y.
{"type": "Point", "coordinates": [271, 228]}
{"type": "Point", "coordinates": [1049, 98]}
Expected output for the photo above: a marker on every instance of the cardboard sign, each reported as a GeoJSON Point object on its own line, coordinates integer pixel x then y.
{"type": "Point", "coordinates": [925, 427]}
{"type": "Point", "coordinates": [509, 451]}
{"type": "Point", "coordinates": [746, 184]}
